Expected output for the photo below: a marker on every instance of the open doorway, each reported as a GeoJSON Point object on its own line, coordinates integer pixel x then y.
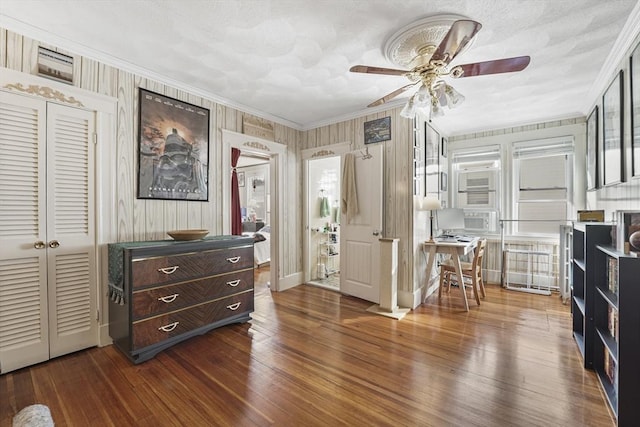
{"type": "Point", "coordinates": [323, 221]}
{"type": "Point", "coordinates": [254, 185]}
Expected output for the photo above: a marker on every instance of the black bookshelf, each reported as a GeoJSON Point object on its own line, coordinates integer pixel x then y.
{"type": "Point", "coordinates": [586, 236]}
{"type": "Point", "coordinates": [616, 347]}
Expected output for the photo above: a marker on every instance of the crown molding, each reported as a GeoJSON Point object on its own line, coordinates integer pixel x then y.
{"type": "Point", "coordinates": [41, 35]}
{"type": "Point", "coordinates": [355, 114]}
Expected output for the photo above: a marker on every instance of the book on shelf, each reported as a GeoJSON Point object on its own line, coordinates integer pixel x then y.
{"type": "Point", "coordinates": [612, 275]}
{"type": "Point", "coordinates": [610, 368]}
{"type": "Point", "coordinates": [612, 322]}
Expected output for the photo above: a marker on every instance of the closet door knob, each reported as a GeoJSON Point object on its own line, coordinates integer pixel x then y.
{"type": "Point", "coordinates": [54, 244]}
{"type": "Point", "coordinates": [39, 244]}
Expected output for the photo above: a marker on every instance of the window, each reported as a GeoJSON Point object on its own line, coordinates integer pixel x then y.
{"type": "Point", "coordinates": [542, 185]}
{"type": "Point", "coordinates": [476, 179]}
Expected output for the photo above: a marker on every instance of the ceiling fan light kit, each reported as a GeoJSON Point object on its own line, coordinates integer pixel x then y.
{"type": "Point", "coordinates": [427, 47]}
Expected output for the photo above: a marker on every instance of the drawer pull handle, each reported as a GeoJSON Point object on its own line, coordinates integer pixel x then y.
{"type": "Point", "coordinates": [234, 283]}
{"type": "Point", "coordinates": [169, 270]}
{"type": "Point", "coordinates": [168, 328]}
{"type": "Point", "coordinates": [168, 298]}
{"type": "Point", "coordinates": [234, 307]}
{"type": "Point", "coordinates": [234, 259]}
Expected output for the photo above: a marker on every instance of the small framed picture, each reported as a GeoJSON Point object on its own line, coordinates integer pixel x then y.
{"type": "Point", "coordinates": [377, 130]}
{"type": "Point", "coordinates": [240, 179]}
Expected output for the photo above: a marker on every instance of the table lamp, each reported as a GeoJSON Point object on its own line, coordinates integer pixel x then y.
{"type": "Point", "coordinates": [430, 204]}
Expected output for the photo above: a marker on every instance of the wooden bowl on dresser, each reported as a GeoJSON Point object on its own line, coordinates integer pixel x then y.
{"type": "Point", "coordinates": [188, 234]}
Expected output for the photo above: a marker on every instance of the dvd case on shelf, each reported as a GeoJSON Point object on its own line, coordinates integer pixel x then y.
{"type": "Point", "coordinates": [612, 275]}
{"type": "Point", "coordinates": [612, 322]}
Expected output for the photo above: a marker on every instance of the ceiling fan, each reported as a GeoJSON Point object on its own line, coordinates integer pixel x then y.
{"type": "Point", "coordinates": [427, 47]}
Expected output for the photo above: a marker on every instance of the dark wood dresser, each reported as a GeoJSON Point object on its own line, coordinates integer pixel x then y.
{"type": "Point", "coordinates": [164, 292]}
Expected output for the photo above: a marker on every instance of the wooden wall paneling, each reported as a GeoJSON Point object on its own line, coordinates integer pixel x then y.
{"type": "Point", "coordinates": [125, 165]}
{"type": "Point", "coordinates": [3, 47]}
{"type": "Point", "coordinates": [107, 80]}
{"type": "Point", "coordinates": [292, 143]}
{"type": "Point", "coordinates": [14, 51]}
{"type": "Point", "coordinates": [216, 163]}
{"type": "Point", "coordinates": [89, 71]}
{"type": "Point", "coordinates": [308, 139]}
{"type": "Point", "coordinates": [341, 132]}
{"type": "Point", "coordinates": [29, 56]}
{"type": "Point", "coordinates": [292, 184]}
{"type": "Point", "coordinates": [403, 214]}
{"type": "Point", "coordinates": [333, 134]}
{"type": "Point", "coordinates": [208, 208]}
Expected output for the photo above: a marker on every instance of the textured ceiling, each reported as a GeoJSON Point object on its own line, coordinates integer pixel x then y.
{"type": "Point", "coordinates": [288, 60]}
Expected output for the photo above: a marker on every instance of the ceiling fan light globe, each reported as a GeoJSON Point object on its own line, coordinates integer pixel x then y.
{"type": "Point", "coordinates": [454, 98]}
{"type": "Point", "coordinates": [436, 109]}
{"type": "Point", "coordinates": [422, 97]}
{"type": "Point", "coordinates": [409, 110]}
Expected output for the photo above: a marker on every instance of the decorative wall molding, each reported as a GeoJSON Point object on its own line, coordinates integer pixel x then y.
{"type": "Point", "coordinates": [323, 153]}
{"type": "Point", "coordinates": [50, 90]}
{"type": "Point", "coordinates": [257, 145]}
{"type": "Point", "coordinates": [45, 92]}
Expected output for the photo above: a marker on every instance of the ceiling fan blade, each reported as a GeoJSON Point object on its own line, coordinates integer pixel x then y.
{"type": "Point", "coordinates": [459, 35]}
{"type": "Point", "coordinates": [392, 95]}
{"type": "Point", "coordinates": [506, 65]}
{"type": "Point", "coordinates": [377, 70]}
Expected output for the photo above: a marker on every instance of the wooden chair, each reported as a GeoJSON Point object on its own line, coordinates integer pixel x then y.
{"type": "Point", "coordinates": [471, 273]}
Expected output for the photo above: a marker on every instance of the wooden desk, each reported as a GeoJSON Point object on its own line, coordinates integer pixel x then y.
{"type": "Point", "coordinates": [455, 249]}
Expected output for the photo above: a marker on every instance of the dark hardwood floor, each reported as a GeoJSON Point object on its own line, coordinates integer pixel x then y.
{"type": "Point", "coordinates": [312, 357]}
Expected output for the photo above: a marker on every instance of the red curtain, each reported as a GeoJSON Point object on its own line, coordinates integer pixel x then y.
{"type": "Point", "coordinates": [236, 214]}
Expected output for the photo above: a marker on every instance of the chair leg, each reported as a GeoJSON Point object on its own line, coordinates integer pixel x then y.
{"type": "Point", "coordinates": [482, 290]}
{"type": "Point", "coordinates": [474, 285]}
{"type": "Point", "coordinates": [442, 274]}
{"type": "Point", "coordinates": [448, 281]}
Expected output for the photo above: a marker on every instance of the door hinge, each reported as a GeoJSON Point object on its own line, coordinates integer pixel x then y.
{"type": "Point", "coordinates": [95, 138]}
{"type": "Point", "coordinates": [98, 315]}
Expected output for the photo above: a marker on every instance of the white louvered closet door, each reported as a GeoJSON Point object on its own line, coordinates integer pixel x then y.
{"type": "Point", "coordinates": [47, 249]}
{"type": "Point", "coordinates": [24, 334]}
{"type": "Point", "coordinates": [70, 224]}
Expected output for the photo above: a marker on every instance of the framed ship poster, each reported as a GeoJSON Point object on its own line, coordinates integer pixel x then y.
{"type": "Point", "coordinates": [173, 149]}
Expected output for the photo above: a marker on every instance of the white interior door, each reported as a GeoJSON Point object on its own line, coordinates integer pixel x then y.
{"type": "Point", "coordinates": [24, 336]}
{"type": "Point", "coordinates": [71, 229]}
{"type": "Point", "coordinates": [47, 226]}
{"type": "Point", "coordinates": [359, 245]}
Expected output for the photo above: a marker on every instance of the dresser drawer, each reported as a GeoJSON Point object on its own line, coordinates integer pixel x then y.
{"type": "Point", "coordinates": [183, 267]}
{"type": "Point", "coordinates": [173, 297]}
{"type": "Point", "coordinates": [160, 328]}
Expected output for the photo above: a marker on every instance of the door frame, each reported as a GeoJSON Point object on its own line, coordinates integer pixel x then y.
{"type": "Point", "coordinates": [276, 153]}
{"type": "Point", "coordinates": [333, 150]}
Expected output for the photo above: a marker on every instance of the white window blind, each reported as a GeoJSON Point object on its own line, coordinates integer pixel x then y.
{"type": "Point", "coordinates": [542, 190]}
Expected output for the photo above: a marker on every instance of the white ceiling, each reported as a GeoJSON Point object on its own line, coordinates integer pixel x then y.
{"type": "Point", "coordinates": [288, 60]}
